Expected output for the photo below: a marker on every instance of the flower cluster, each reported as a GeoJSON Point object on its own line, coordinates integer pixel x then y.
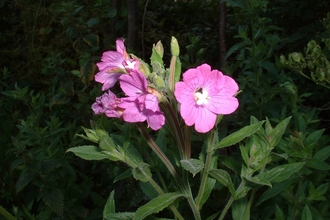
{"type": "Point", "coordinates": [203, 94]}
{"type": "Point", "coordinates": [139, 105]}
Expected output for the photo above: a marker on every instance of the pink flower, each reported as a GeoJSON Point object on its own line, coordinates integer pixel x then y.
{"type": "Point", "coordinates": [140, 105]}
{"type": "Point", "coordinates": [203, 95]}
{"type": "Point", "coordinates": [113, 64]}
{"type": "Point", "coordinates": [108, 104]}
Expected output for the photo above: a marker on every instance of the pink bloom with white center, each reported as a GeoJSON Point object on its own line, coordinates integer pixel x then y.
{"type": "Point", "coordinates": [107, 104]}
{"type": "Point", "coordinates": [204, 94]}
{"type": "Point", "coordinates": [113, 64]}
{"type": "Point", "coordinates": [140, 105]}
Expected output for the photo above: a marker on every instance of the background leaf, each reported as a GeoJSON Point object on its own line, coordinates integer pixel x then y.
{"type": "Point", "coordinates": [157, 204]}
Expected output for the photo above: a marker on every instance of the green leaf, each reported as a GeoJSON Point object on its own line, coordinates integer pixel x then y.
{"type": "Point", "coordinates": [231, 164]}
{"type": "Point", "coordinates": [24, 178]}
{"type": "Point", "coordinates": [258, 180]}
{"type": "Point", "coordinates": [323, 154]}
{"type": "Point", "coordinates": [235, 47]}
{"type": "Point", "coordinates": [148, 190]}
{"type": "Point", "coordinates": [192, 165]}
{"type": "Point", "coordinates": [317, 194]}
{"type": "Point", "coordinates": [239, 135]}
{"type": "Point", "coordinates": [224, 178]}
{"type": "Point", "coordinates": [142, 172]}
{"type": "Point", "coordinates": [212, 217]}
{"type": "Point", "coordinates": [306, 214]}
{"type": "Point", "coordinates": [275, 135]}
{"type": "Point", "coordinates": [123, 175]}
{"type": "Point", "coordinates": [240, 210]}
{"type": "Point", "coordinates": [54, 199]}
{"type": "Point", "coordinates": [92, 40]}
{"type": "Point", "coordinates": [107, 144]}
{"type": "Point", "coordinates": [109, 207]}
{"type": "Point", "coordinates": [87, 72]}
{"type": "Point", "coordinates": [157, 204]}
{"type": "Point", "coordinates": [317, 164]}
{"type": "Point", "coordinates": [88, 152]}
{"type": "Point", "coordinates": [93, 21]}
{"type": "Point", "coordinates": [280, 173]}
{"type": "Point", "coordinates": [313, 138]}
{"type": "Point", "coordinates": [279, 215]}
{"type": "Point", "coordinates": [120, 216]}
{"type": "Point", "coordinates": [244, 154]}
{"type": "Point", "coordinates": [210, 182]}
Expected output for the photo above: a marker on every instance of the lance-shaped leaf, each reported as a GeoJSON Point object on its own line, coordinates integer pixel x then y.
{"type": "Point", "coordinates": [274, 135]}
{"type": "Point", "coordinates": [224, 178]}
{"type": "Point", "coordinates": [306, 214]}
{"type": "Point", "coordinates": [192, 165]}
{"type": "Point", "coordinates": [277, 189]}
{"type": "Point", "coordinates": [109, 207]}
{"type": "Point", "coordinates": [120, 216]}
{"type": "Point", "coordinates": [106, 143]}
{"type": "Point", "coordinates": [280, 173]}
{"type": "Point", "coordinates": [89, 152]}
{"type": "Point", "coordinates": [258, 180]}
{"type": "Point", "coordinates": [142, 172]}
{"type": "Point", "coordinates": [239, 135]}
{"type": "Point", "coordinates": [156, 205]}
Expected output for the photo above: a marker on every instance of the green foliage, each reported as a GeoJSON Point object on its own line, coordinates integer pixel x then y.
{"type": "Point", "coordinates": [49, 51]}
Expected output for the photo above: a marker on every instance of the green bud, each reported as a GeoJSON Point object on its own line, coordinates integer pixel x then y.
{"type": "Point", "coordinates": [159, 82]}
{"type": "Point", "coordinates": [320, 74]}
{"type": "Point", "coordinates": [159, 48]}
{"type": "Point", "coordinates": [253, 150]}
{"type": "Point", "coordinates": [144, 69]}
{"type": "Point", "coordinates": [175, 50]}
{"type": "Point", "coordinates": [296, 56]}
{"type": "Point", "coordinates": [283, 60]}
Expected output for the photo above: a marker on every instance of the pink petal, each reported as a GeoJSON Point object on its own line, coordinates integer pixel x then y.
{"type": "Point", "coordinates": [111, 59]}
{"type": "Point", "coordinates": [205, 120]}
{"type": "Point", "coordinates": [156, 120]}
{"type": "Point", "coordinates": [189, 111]}
{"type": "Point", "coordinates": [151, 103]}
{"type": "Point", "coordinates": [131, 112]}
{"type": "Point", "coordinates": [133, 84]}
{"type": "Point", "coordinates": [120, 47]}
{"type": "Point", "coordinates": [182, 92]}
{"type": "Point", "coordinates": [107, 79]}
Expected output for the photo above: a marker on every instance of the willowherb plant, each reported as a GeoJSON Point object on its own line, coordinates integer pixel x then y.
{"type": "Point", "coordinates": [155, 94]}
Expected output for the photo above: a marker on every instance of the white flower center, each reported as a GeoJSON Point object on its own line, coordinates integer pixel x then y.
{"type": "Point", "coordinates": [201, 96]}
{"type": "Point", "coordinates": [129, 64]}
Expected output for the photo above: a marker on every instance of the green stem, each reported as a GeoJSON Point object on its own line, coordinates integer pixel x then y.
{"type": "Point", "coordinates": [225, 210]}
{"type": "Point", "coordinates": [172, 119]}
{"type": "Point", "coordinates": [230, 201]}
{"type": "Point", "coordinates": [187, 142]}
{"type": "Point", "coordinates": [6, 214]}
{"type": "Point", "coordinates": [210, 152]}
{"type": "Point", "coordinates": [159, 153]}
{"type": "Point", "coordinates": [190, 198]}
{"type": "Point", "coordinates": [193, 207]}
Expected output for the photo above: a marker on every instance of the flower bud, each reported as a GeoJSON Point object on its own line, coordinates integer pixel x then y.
{"type": "Point", "coordinates": [175, 50]}
{"type": "Point", "coordinates": [159, 48]}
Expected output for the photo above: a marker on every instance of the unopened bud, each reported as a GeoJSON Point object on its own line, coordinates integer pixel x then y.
{"type": "Point", "coordinates": [175, 50]}
{"type": "Point", "coordinates": [159, 48]}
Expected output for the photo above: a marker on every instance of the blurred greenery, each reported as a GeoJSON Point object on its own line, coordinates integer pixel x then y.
{"type": "Point", "coordinates": [48, 54]}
